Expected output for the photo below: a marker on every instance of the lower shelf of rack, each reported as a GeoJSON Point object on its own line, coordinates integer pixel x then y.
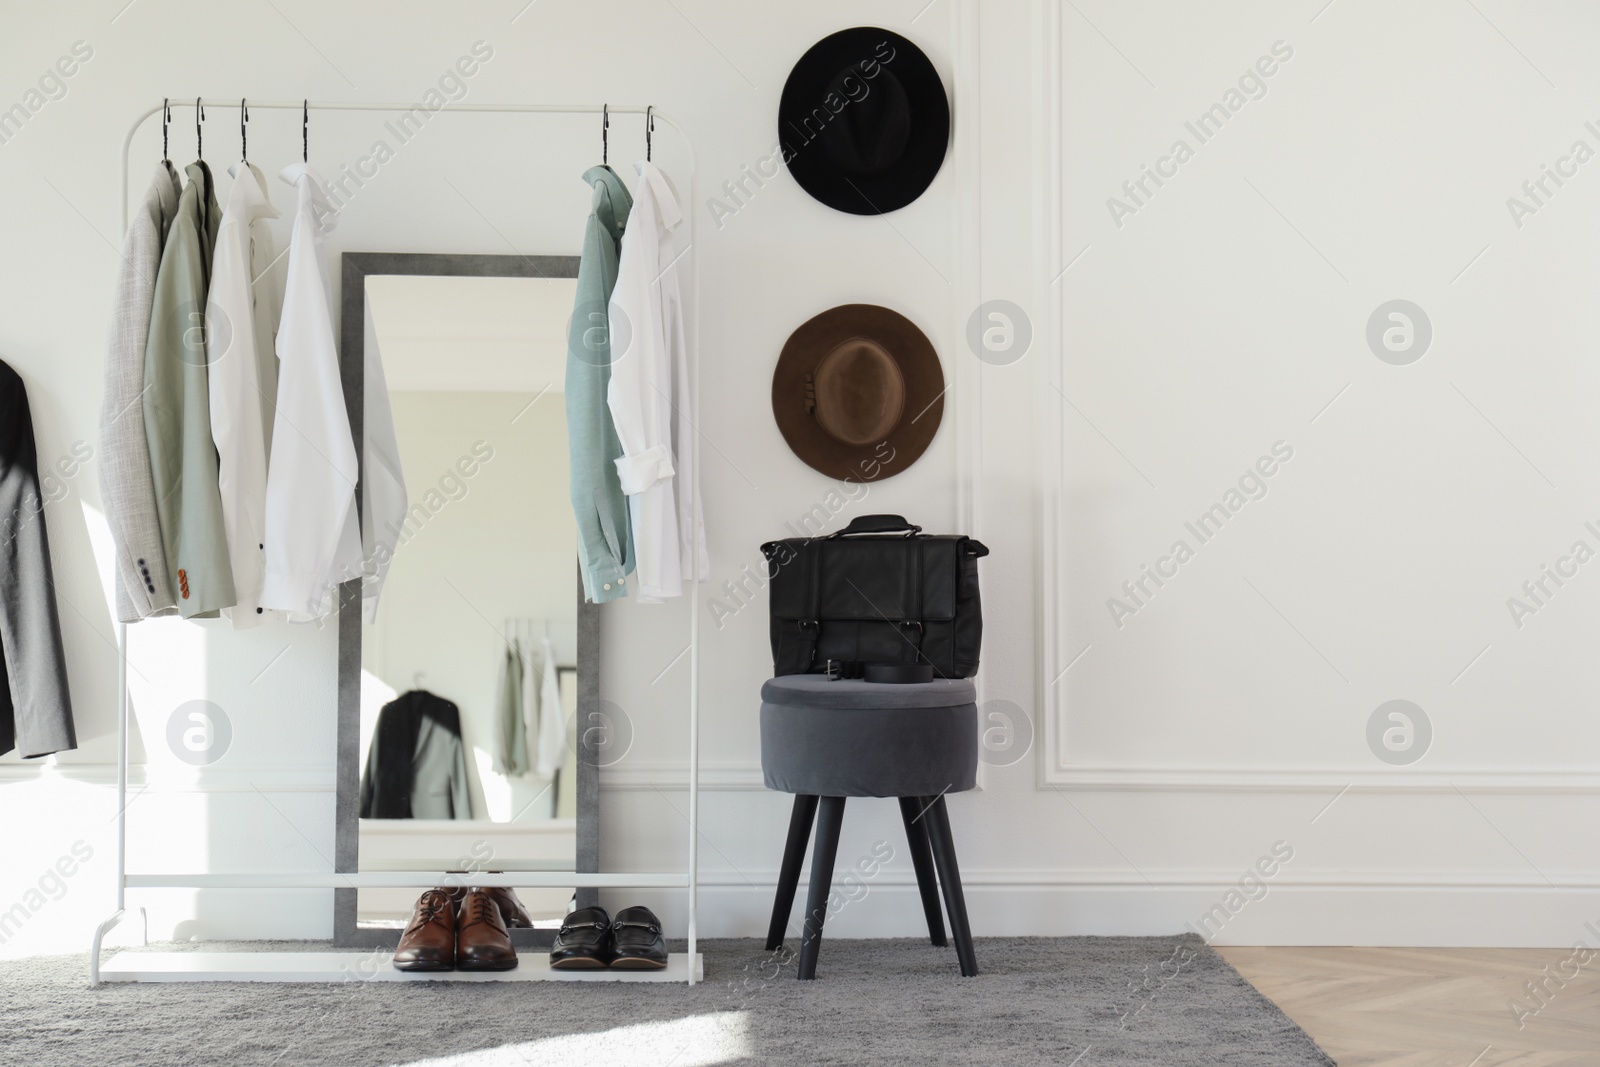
{"type": "Point", "coordinates": [347, 966]}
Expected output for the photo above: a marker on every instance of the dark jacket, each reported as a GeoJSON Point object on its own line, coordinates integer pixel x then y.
{"type": "Point", "coordinates": [35, 707]}
{"type": "Point", "coordinates": [416, 763]}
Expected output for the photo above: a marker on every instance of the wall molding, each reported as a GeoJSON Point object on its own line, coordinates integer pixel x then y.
{"type": "Point", "coordinates": [1219, 881]}
{"type": "Point", "coordinates": [1055, 767]}
{"type": "Point", "coordinates": [738, 777]}
{"type": "Point", "coordinates": [1331, 781]}
{"type": "Point", "coordinates": [164, 778]}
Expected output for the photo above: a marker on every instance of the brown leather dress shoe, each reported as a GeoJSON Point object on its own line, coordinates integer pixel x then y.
{"type": "Point", "coordinates": [482, 943]}
{"type": "Point", "coordinates": [429, 943]}
{"type": "Point", "coordinates": [511, 909]}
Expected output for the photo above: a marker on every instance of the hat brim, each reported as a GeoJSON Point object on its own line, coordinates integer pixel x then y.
{"type": "Point", "coordinates": [929, 137]}
{"type": "Point", "coordinates": [921, 412]}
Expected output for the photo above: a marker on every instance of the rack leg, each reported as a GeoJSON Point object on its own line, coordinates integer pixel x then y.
{"type": "Point", "coordinates": [99, 936]}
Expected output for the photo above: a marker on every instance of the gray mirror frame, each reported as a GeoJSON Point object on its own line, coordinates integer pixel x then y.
{"type": "Point", "coordinates": [356, 267]}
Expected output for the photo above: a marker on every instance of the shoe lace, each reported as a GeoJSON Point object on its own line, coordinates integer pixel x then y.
{"type": "Point", "coordinates": [430, 908]}
{"type": "Point", "coordinates": [483, 908]}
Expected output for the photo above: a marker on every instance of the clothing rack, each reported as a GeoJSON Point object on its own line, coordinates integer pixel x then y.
{"type": "Point", "coordinates": [528, 630]}
{"type": "Point", "coordinates": [688, 879]}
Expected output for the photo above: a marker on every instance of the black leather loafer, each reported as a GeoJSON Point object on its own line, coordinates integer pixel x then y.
{"type": "Point", "coordinates": [584, 941]}
{"type": "Point", "coordinates": [636, 933]}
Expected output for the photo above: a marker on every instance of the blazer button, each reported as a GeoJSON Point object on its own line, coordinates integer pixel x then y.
{"type": "Point", "coordinates": [260, 610]}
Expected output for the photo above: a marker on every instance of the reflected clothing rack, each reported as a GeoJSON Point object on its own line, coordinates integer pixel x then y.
{"type": "Point", "coordinates": [349, 615]}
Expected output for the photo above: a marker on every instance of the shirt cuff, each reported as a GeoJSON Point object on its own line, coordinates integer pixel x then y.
{"type": "Point", "coordinates": [640, 471]}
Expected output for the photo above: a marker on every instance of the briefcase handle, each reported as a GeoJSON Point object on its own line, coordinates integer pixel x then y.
{"type": "Point", "coordinates": [877, 524]}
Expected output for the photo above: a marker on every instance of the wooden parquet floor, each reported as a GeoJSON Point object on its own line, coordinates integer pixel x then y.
{"type": "Point", "coordinates": [1429, 1007]}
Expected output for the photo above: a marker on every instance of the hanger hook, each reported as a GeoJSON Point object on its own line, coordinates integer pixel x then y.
{"type": "Point", "coordinates": [649, 129]}
{"type": "Point", "coordinates": [199, 117]}
{"type": "Point", "coordinates": [305, 131]}
{"type": "Point", "coordinates": [244, 134]}
{"type": "Point", "coordinates": [605, 133]}
{"type": "Point", "coordinates": [166, 120]}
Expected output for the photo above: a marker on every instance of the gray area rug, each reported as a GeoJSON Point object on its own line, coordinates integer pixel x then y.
{"type": "Point", "coordinates": [1091, 1002]}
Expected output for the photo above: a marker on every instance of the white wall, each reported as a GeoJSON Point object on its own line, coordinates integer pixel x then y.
{"type": "Point", "coordinates": [1223, 316]}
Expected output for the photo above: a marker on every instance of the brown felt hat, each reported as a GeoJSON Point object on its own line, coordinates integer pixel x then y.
{"type": "Point", "coordinates": [858, 392]}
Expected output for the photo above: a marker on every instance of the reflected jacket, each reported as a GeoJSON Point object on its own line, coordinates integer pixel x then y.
{"type": "Point", "coordinates": [416, 763]}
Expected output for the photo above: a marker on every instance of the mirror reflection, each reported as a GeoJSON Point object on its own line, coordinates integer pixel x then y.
{"type": "Point", "coordinates": [469, 677]}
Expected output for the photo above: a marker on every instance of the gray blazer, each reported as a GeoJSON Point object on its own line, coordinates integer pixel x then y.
{"type": "Point", "coordinates": [144, 587]}
{"type": "Point", "coordinates": [35, 707]}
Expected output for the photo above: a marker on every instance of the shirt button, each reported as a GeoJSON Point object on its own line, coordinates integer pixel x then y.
{"type": "Point", "coordinates": [606, 586]}
{"type": "Point", "coordinates": [259, 610]}
{"type": "Point", "coordinates": [622, 581]}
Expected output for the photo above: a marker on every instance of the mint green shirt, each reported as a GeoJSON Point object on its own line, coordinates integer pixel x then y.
{"type": "Point", "coordinates": [605, 538]}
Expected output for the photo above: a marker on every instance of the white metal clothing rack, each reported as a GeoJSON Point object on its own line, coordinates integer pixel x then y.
{"type": "Point", "coordinates": [689, 879]}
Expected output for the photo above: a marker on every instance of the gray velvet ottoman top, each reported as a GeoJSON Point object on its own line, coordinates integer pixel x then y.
{"type": "Point", "coordinates": [853, 738]}
{"type": "Point", "coordinates": [814, 690]}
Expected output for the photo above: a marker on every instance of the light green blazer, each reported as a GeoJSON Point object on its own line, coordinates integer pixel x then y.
{"type": "Point", "coordinates": [177, 407]}
{"type": "Point", "coordinates": [605, 538]}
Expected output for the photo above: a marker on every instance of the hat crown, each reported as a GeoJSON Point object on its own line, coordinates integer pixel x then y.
{"type": "Point", "coordinates": [870, 133]}
{"type": "Point", "coordinates": [860, 392]}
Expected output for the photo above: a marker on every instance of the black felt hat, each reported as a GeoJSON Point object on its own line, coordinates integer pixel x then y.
{"type": "Point", "coordinates": [864, 121]}
{"type": "Point", "coordinates": [858, 392]}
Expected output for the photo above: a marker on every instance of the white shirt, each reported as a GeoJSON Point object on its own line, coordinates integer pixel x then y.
{"type": "Point", "coordinates": [649, 395]}
{"type": "Point", "coordinates": [311, 479]}
{"type": "Point", "coordinates": [241, 373]}
{"type": "Point", "coordinates": [552, 731]}
{"type": "Point", "coordinates": [383, 482]}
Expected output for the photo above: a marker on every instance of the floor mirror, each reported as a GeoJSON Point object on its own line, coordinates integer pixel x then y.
{"type": "Point", "coordinates": [457, 698]}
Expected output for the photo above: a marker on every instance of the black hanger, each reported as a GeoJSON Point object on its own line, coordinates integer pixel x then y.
{"type": "Point", "coordinates": [166, 120]}
{"type": "Point", "coordinates": [244, 135]}
{"type": "Point", "coordinates": [605, 132]}
{"type": "Point", "coordinates": [199, 117]}
{"type": "Point", "coordinates": [305, 131]}
{"type": "Point", "coordinates": [649, 129]}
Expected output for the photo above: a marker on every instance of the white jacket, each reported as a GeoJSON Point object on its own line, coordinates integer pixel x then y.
{"type": "Point", "coordinates": [311, 479]}
{"type": "Point", "coordinates": [242, 376]}
{"type": "Point", "coordinates": [649, 395]}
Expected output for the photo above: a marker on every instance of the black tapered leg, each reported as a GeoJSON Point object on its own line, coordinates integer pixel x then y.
{"type": "Point", "coordinates": [794, 854]}
{"type": "Point", "coordinates": [922, 861]}
{"type": "Point", "coordinates": [944, 857]}
{"type": "Point", "coordinates": [830, 816]}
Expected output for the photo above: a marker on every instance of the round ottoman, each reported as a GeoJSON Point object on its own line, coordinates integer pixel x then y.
{"type": "Point", "coordinates": [827, 740]}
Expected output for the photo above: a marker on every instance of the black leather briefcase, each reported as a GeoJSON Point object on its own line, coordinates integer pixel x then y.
{"type": "Point", "coordinates": [876, 592]}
